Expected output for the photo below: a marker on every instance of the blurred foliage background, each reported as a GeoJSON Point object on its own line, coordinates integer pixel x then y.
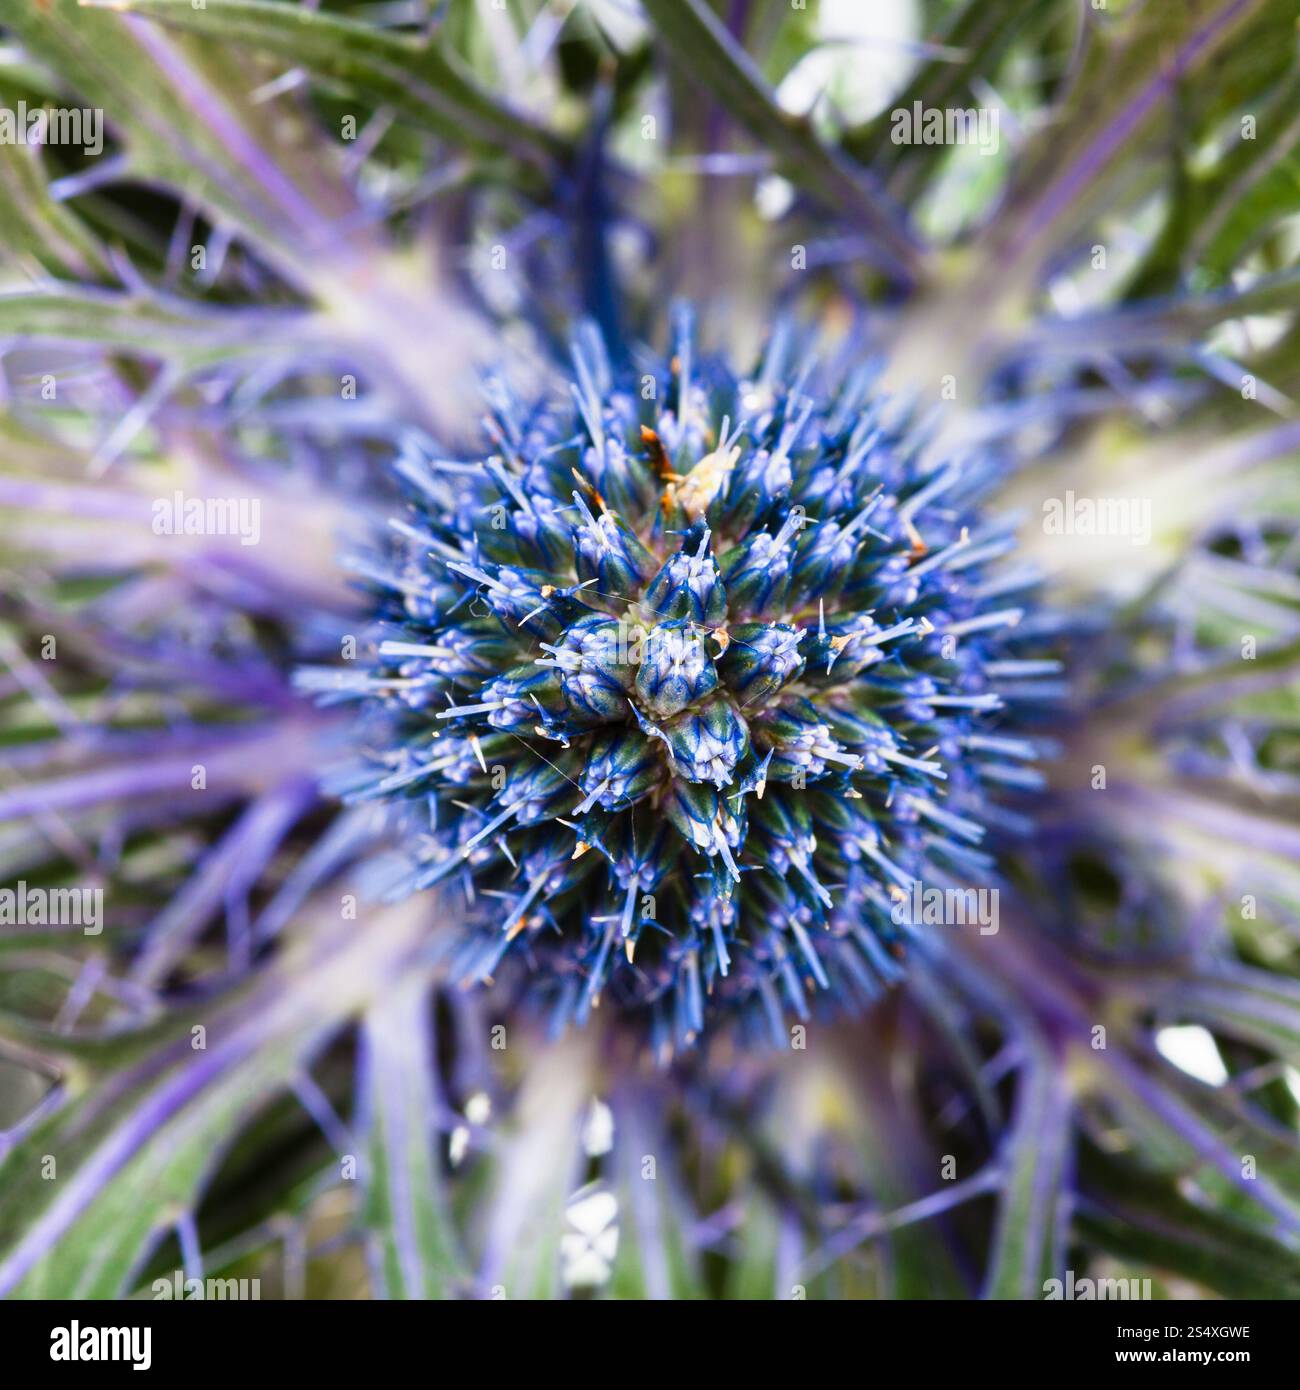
{"type": "Point", "coordinates": [292, 195]}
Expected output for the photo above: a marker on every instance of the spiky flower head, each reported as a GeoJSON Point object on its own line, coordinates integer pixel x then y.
{"type": "Point", "coordinates": [689, 681]}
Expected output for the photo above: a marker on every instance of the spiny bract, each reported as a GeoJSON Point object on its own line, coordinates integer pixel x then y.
{"type": "Point", "coordinates": [695, 676]}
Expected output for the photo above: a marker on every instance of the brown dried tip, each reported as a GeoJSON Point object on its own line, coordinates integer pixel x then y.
{"type": "Point", "coordinates": [522, 924]}
{"type": "Point", "coordinates": [589, 488]}
{"type": "Point", "coordinates": [656, 453]}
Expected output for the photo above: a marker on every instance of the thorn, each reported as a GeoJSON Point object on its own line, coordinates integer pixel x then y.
{"type": "Point", "coordinates": [478, 752]}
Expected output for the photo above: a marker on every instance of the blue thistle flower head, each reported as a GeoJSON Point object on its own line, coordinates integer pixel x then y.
{"type": "Point", "coordinates": [686, 684]}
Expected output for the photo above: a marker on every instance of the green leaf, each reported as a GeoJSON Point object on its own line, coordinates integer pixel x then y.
{"type": "Point", "coordinates": [33, 224]}
{"type": "Point", "coordinates": [415, 77]}
{"type": "Point", "coordinates": [181, 108]}
{"type": "Point", "coordinates": [406, 1212]}
{"type": "Point", "coordinates": [190, 335]}
{"type": "Point", "coordinates": [1183, 1126]}
{"type": "Point", "coordinates": [1143, 329]}
{"type": "Point", "coordinates": [1253, 190]}
{"type": "Point", "coordinates": [1121, 98]}
{"type": "Point", "coordinates": [982, 32]}
{"type": "Point", "coordinates": [1142, 1216]}
{"type": "Point", "coordinates": [655, 1256]}
{"type": "Point", "coordinates": [903, 1172]}
{"type": "Point", "coordinates": [538, 1169]}
{"type": "Point", "coordinates": [1033, 1167]}
{"type": "Point", "coordinates": [719, 66]}
{"type": "Point", "coordinates": [134, 1143]}
{"type": "Point", "coordinates": [1254, 1005]}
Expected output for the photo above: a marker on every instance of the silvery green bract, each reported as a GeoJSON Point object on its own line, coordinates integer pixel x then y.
{"type": "Point", "coordinates": [813, 462]}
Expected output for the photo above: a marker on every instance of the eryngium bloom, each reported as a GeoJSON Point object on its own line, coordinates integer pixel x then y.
{"type": "Point", "coordinates": [690, 681]}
